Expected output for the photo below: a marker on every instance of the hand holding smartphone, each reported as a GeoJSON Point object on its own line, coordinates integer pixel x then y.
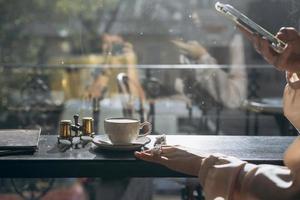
{"type": "Point", "coordinates": [244, 21]}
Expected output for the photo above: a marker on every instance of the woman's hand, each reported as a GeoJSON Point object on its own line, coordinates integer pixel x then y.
{"type": "Point", "coordinates": [289, 59]}
{"type": "Point", "coordinates": [174, 157]}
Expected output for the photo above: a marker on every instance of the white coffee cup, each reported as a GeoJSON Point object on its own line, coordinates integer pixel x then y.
{"type": "Point", "coordinates": [124, 130]}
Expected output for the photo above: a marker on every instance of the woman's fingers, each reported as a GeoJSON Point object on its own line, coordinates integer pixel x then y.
{"type": "Point", "coordinates": [151, 157]}
{"type": "Point", "coordinates": [286, 60]}
{"type": "Point", "coordinates": [268, 52]}
{"type": "Point", "coordinates": [163, 153]}
{"type": "Point", "coordinates": [284, 57]}
{"type": "Point", "coordinates": [144, 156]}
{"type": "Point", "coordinates": [257, 43]}
{"type": "Point", "coordinates": [175, 158]}
{"type": "Point", "coordinates": [287, 34]}
{"type": "Point", "coordinates": [245, 31]}
{"type": "Point", "coordinates": [168, 149]}
{"type": "Point", "coordinates": [260, 44]}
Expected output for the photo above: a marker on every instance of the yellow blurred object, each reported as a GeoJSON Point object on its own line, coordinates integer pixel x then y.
{"type": "Point", "coordinates": [76, 82]}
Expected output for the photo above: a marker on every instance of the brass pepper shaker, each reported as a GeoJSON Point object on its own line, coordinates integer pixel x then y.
{"type": "Point", "coordinates": [65, 129]}
{"type": "Point", "coordinates": [87, 126]}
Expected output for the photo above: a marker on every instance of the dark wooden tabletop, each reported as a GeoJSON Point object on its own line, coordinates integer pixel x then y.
{"type": "Point", "coordinates": [51, 161]}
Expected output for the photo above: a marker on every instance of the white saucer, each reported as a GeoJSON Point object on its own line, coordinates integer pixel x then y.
{"type": "Point", "coordinates": [102, 142]}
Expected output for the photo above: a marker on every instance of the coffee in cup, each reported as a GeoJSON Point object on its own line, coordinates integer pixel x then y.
{"type": "Point", "coordinates": [124, 130]}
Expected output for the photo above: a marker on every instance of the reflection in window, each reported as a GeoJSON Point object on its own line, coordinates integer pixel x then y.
{"type": "Point", "coordinates": [180, 57]}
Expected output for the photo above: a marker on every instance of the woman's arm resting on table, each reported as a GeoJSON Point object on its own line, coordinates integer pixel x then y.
{"type": "Point", "coordinates": [228, 177]}
{"type": "Point", "coordinates": [175, 158]}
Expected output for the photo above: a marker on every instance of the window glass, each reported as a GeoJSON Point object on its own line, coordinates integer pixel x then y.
{"type": "Point", "coordinates": [179, 64]}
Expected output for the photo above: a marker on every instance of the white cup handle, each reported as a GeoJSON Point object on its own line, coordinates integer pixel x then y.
{"type": "Point", "coordinates": [149, 128]}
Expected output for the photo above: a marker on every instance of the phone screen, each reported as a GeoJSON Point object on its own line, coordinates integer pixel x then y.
{"type": "Point", "coordinates": [243, 20]}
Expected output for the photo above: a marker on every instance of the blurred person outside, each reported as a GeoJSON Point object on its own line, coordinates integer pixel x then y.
{"type": "Point", "coordinates": [119, 56]}
{"type": "Point", "coordinates": [226, 86]}
{"type": "Point", "coordinates": [210, 86]}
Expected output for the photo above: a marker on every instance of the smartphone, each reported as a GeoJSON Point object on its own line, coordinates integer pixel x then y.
{"type": "Point", "coordinates": [241, 19]}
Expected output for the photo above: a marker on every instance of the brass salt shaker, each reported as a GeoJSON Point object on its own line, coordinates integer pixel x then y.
{"type": "Point", "coordinates": [87, 126]}
{"type": "Point", "coordinates": [65, 129]}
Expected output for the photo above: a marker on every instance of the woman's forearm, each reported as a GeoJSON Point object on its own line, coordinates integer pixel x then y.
{"type": "Point", "coordinates": [231, 178]}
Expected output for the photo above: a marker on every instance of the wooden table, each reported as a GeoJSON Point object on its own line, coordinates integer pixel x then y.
{"type": "Point", "coordinates": [49, 161]}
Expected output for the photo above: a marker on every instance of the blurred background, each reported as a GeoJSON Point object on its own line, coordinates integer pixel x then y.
{"type": "Point", "coordinates": [178, 64]}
